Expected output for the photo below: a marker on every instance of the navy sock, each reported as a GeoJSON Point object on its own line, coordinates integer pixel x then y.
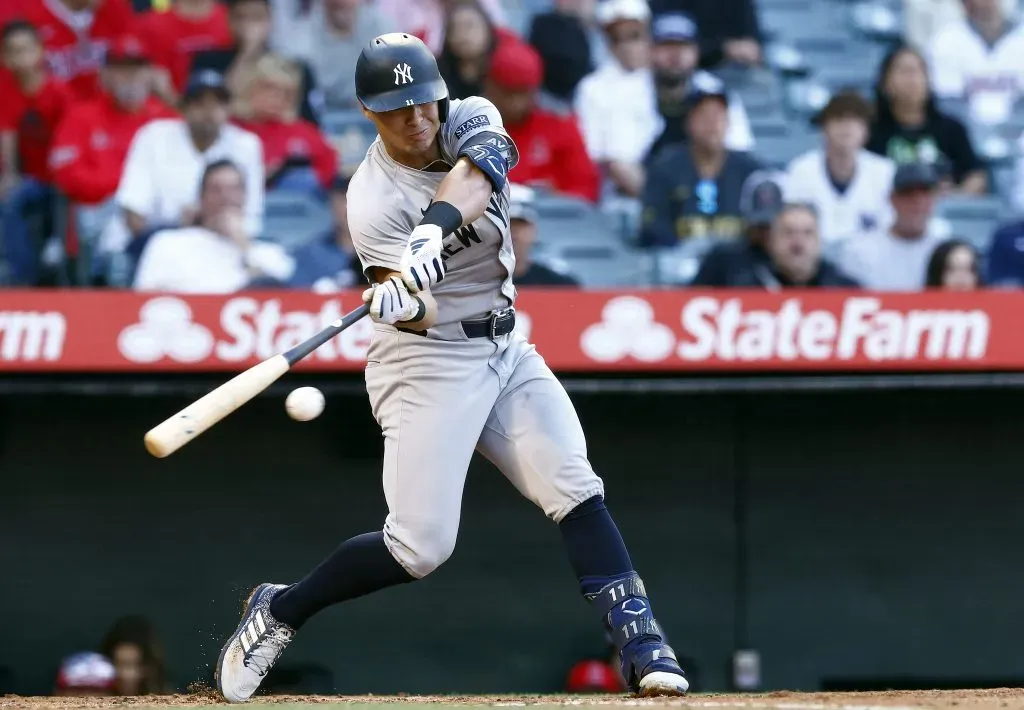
{"type": "Point", "coordinates": [360, 565]}
{"type": "Point", "coordinates": [596, 550]}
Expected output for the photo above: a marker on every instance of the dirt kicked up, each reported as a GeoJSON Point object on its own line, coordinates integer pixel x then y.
{"type": "Point", "coordinates": [893, 700]}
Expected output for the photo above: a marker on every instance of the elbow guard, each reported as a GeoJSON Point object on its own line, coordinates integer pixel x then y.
{"type": "Point", "coordinates": [490, 152]}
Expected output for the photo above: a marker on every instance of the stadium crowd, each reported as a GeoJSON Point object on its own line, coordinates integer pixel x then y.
{"type": "Point", "coordinates": [153, 143]}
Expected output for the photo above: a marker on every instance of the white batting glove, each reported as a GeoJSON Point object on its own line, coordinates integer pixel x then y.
{"type": "Point", "coordinates": [390, 302]}
{"type": "Point", "coordinates": [421, 264]}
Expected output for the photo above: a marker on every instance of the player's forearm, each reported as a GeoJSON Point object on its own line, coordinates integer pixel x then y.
{"type": "Point", "coordinates": [467, 189]}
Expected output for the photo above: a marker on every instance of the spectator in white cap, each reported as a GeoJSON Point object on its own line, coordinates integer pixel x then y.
{"type": "Point", "coordinates": [615, 105]}
{"type": "Point", "coordinates": [675, 55]}
{"type": "Point", "coordinates": [523, 224]}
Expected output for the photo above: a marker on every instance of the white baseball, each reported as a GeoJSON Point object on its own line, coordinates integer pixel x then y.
{"type": "Point", "coordinates": [305, 403]}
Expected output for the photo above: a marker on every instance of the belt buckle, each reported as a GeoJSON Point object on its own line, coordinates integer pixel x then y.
{"type": "Point", "coordinates": [495, 317]}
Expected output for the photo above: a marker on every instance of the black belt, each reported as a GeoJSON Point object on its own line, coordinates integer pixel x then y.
{"type": "Point", "coordinates": [499, 324]}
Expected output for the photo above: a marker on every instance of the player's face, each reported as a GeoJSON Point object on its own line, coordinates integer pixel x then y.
{"type": "Point", "coordinates": [846, 134]}
{"type": "Point", "coordinates": [468, 34]}
{"type": "Point", "coordinates": [23, 52]}
{"type": "Point", "coordinates": [675, 58]}
{"type": "Point", "coordinates": [793, 244]}
{"type": "Point", "coordinates": [224, 191]}
{"type": "Point", "coordinates": [707, 123]}
{"type": "Point", "coordinates": [961, 271]}
{"type": "Point", "coordinates": [913, 209]}
{"type": "Point", "coordinates": [630, 43]}
{"type": "Point", "coordinates": [410, 130]}
{"type": "Point", "coordinates": [906, 79]}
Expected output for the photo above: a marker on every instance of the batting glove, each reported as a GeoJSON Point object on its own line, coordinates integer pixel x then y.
{"type": "Point", "coordinates": [421, 264]}
{"type": "Point", "coordinates": [390, 302]}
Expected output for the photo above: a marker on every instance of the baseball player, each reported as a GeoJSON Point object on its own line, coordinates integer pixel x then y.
{"type": "Point", "coordinates": [447, 374]}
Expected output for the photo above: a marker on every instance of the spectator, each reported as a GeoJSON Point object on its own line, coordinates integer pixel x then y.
{"type": "Point", "coordinates": [346, 27]}
{"type": "Point", "coordinates": [794, 256]}
{"type": "Point", "coordinates": [92, 140]}
{"type": "Point", "coordinates": [291, 26]}
{"type": "Point", "coordinates": [1004, 262]}
{"type": "Point", "coordinates": [615, 105]}
{"type": "Point", "coordinates": [33, 106]}
{"type": "Point", "coordinates": [216, 255]}
{"type": "Point", "coordinates": [176, 35]}
{"type": "Point", "coordinates": [468, 44]}
{"type": "Point", "coordinates": [847, 185]}
{"type": "Point", "coordinates": [896, 259]}
{"type": "Point", "coordinates": [551, 149]}
{"type": "Point", "coordinates": [85, 674]}
{"type": "Point", "coordinates": [923, 18]}
{"type": "Point", "coordinates": [978, 58]}
{"type": "Point", "coordinates": [523, 224]}
{"type": "Point", "coordinates": [953, 266]}
{"type": "Point", "coordinates": [329, 263]}
{"type": "Point", "coordinates": [133, 647]}
{"type": "Point", "coordinates": [562, 39]}
{"type": "Point", "coordinates": [730, 31]}
{"type": "Point", "coordinates": [674, 56]}
{"type": "Point", "coordinates": [693, 189]}
{"type": "Point", "coordinates": [426, 18]}
{"type": "Point", "coordinates": [77, 35]}
{"type": "Point", "coordinates": [760, 202]}
{"type": "Point", "coordinates": [250, 32]}
{"type": "Point", "coordinates": [295, 154]}
{"type": "Point", "coordinates": [909, 128]}
{"type": "Point", "coordinates": [159, 187]}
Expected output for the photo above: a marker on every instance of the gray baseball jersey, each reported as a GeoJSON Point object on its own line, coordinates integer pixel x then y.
{"type": "Point", "coordinates": [439, 398]}
{"type": "Point", "coordinates": [386, 200]}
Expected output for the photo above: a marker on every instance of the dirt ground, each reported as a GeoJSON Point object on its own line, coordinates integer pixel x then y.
{"type": "Point", "coordinates": [902, 700]}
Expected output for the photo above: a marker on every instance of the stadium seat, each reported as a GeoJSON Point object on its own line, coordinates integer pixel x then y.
{"type": "Point", "coordinates": [292, 219]}
{"type": "Point", "coordinates": [777, 144]}
{"type": "Point", "coordinates": [678, 265]}
{"type": "Point", "coordinates": [972, 218]}
{"type": "Point", "coordinates": [351, 134]}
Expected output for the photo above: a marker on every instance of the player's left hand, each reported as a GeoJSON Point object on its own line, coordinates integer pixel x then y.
{"type": "Point", "coordinates": [421, 264]}
{"type": "Point", "coordinates": [390, 302]}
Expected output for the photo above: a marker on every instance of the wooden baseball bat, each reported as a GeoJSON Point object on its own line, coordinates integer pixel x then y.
{"type": "Point", "coordinates": [173, 433]}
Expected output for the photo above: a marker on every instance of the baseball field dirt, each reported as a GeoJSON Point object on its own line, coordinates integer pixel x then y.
{"type": "Point", "coordinates": [892, 700]}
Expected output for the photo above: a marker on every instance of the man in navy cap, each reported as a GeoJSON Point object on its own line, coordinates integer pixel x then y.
{"type": "Point", "coordinates": [693, 189]}
{"type": "Point", "coordinates": [674, 56]}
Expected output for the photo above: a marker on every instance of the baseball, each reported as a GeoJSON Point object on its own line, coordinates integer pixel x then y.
{"type": "Point", "coordinates": [305, 403]}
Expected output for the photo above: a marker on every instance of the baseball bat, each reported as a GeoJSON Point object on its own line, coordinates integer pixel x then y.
{"type": "Point", "coordinates": [176, 431]}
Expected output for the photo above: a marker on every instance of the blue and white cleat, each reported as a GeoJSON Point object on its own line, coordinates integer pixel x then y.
{"type": "Point", "coordinates": [254, 648]}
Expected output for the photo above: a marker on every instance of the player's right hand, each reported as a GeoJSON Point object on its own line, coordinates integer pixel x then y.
{"type": "Point", "coordinates": [390, 302]}
{"type": "Point", "coordinates": [421, 264]}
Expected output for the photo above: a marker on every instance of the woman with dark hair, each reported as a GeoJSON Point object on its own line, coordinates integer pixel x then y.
{"type": "Point", "coordinates": [469, 39]}
{"type": "Point", "coordinates": [132, 646]}
{"type": "Point", "coordinates": [909, 128]}
{"type": "Point", "coordinates": [953, 266]}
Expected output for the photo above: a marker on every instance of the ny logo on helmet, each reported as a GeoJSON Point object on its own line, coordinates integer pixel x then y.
{"type": "Point", "coordinates": [403, 74]}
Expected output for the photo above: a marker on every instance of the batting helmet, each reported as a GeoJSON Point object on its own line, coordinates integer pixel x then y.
{"type": "Point", "coordinates": [397, 70]}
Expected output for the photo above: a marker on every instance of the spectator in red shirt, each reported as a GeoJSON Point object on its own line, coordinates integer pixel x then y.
{"type": "Point", "coordinates": [92, 140]}
{"type": "Point", "coordinates": [551, 149]}
{"type": "Point", "coordinates": [76, 35]}
{"type": "Point", "coordinates": [190, 26]}
{"type": "Point", "coordinates": [33, 103]}
{"type": "Point", "coordinates": [295, 153]}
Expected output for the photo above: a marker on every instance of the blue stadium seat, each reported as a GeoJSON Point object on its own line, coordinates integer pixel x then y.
{"type": "Point", "coordinates": [292, 219]}
{"type": "Point", "coordinates": [973, 218]}
{"type": "Point", "coordinates": [678, 265]}
{"type": "Point", "coordinates": [351, 134]}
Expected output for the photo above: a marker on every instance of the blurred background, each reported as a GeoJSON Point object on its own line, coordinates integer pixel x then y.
{"type": "Point", "coordinates": [774, 248]}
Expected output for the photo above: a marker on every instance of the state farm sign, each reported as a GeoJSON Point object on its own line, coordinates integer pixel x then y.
{"type": "Point", "coordinates": [666, 331]}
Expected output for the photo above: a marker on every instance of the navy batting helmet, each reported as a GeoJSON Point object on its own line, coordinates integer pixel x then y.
{"type": "Point", "coordinates": [397, 70]}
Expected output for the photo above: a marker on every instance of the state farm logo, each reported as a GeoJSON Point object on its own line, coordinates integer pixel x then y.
{"type": "Point", "coordinates": [627, 328]}
{"type": "Point", "coordinates": [165, 329]}
{"type": "Point", "coordinates": [29, 336]}
{"type": "Point", "coordinates": [722, 329]}
{"type": "Point", "coordinates": [249, 328]}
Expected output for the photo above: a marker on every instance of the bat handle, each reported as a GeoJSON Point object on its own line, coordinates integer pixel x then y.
{"type": "Point", "coordinates": [304, 348]}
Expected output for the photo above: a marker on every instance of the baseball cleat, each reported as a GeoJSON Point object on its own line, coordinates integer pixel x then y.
{"type": "Point", "coordinates": [254, 648]}
{"type": "Point", "coordinates": [662, 683]}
